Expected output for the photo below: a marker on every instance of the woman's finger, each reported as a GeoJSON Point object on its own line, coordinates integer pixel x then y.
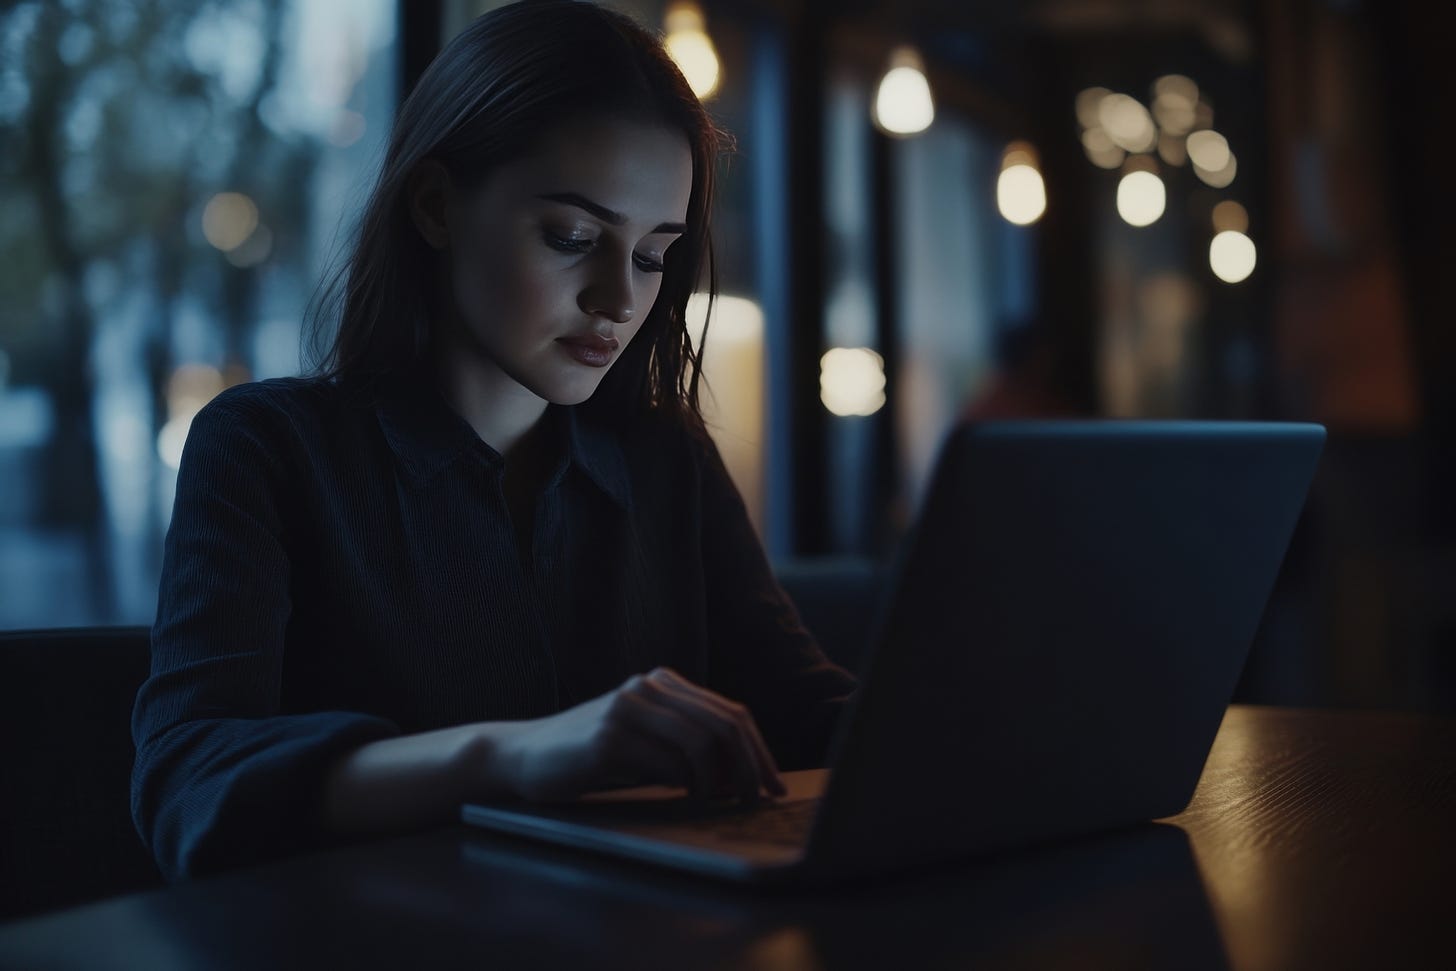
{"type": "Point", "coordinates": [634, 756]}
{"type": "Point", "coordinates": [730, 722]}
{"type": "Point", "coordinates": [740, 713]}
{"type": "Point", "coordinates": [734, 751]}
{"type": "Point", "coordinates": [638, 712]}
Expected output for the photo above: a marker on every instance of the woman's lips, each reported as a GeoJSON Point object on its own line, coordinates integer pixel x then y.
{"type": "Point", "coordinates": [591, 350]}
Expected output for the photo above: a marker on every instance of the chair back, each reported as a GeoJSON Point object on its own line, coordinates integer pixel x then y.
{"type": "Point", "coordinates": [66, 835]}
{"type": "Point", "coordinates": [839, 599]}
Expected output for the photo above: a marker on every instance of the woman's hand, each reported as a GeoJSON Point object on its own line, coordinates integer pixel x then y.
{"type": "Point", "coordinates": [657, 728]}
{"type": "Point", "coordinates": [654, 728]}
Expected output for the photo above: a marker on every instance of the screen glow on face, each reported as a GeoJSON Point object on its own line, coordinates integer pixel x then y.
{"type": "Point", "coordinates": [566, 246]}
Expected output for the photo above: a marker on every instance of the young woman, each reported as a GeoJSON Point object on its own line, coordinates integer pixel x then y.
{"type": "Point", "coordinates": [486, 549]}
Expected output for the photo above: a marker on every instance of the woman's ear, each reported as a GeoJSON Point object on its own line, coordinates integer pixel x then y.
{"type": "Point", "coordinates": [428, 191]}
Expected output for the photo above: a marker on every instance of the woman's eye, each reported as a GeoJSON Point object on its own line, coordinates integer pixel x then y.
{"type": "Point", "coordinates": [648, 265]}
{"type": "Point", "coordinates": [576, 244]}
{"type": "Point", "coordinates": [568, 244]}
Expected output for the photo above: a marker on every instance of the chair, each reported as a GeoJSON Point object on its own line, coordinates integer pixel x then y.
{"type": "Point", "coordinates": [65, 717]}
{"type": "Point", "coordinates": [838, 598]}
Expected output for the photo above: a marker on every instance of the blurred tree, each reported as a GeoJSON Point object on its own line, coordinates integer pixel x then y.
{"type": "Point", "coordinates": [118, 120]}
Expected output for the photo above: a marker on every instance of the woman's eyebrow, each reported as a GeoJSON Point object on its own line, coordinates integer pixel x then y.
{"type": "Point", "coordinates": [603, 213]}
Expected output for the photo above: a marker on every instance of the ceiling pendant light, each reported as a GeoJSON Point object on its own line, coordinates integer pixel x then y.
{"type": "Point", "coordinates": [902, 100]}
{"type": "Point", "coordinates": [1020, 190]}
{"type": "Point", "coordinates": [691, 48]}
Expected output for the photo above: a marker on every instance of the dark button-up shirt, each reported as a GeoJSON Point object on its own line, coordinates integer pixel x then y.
{"type": "Point", "coordinates": [340, 570]}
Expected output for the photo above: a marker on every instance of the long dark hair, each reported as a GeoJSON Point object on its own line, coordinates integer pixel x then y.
{"type": "Point", "coordinates": [511, 76]}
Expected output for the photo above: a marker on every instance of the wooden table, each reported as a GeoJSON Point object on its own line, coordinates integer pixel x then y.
{"type": "Point", "coordinates": [1316, 840]}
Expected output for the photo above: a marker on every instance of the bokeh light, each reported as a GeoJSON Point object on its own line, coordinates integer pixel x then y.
{"type": "Point", "coordinates": [1230, 215]}
{"type": "Point", "coordinates": [1176, 86]}
{"type": "Point", "coordinates": [348, 128]}
{"type": "Point", "coordinates": [1021, 194]}
{"type": "Point", "coordinates": [1127, 123]}
{"type": "Point", "coordinates": [1208, 149]}
{"type": "Point", "coordinates": [1175, 100]}
{"type": "Point", "coordinates": [1173, 115]}
{"type": "Point", "coordinates": [734, 403]}
{"type": "Point", "coordinates": [1019, 153]}
{"type": "Point", "coordinates": [228, 219]}
{"type": "Point", "coordinates": [690, 47]}
{"type": "Point", "coordinates": [1141, 198]}
{"type": "Point", "coordinates": [1172, 149]}
{"type": "Point", "coordinates": [1100, 150]}
{"type": "Point", "coordinates": [189, 388]}
{"type": "Point", "coordinates": [1089, 104]}
{"type": "Point", "coordinates": [254, 250]}
{"type": "Point", "coordinates": [852, 381]}
{"type": "Point", "coordinates": [170, 440]}
{"type": "Point", "coordinates": [1020, 189]}
{"type": "Point", "coordinates": [1232, 256]}
{"type": "Point", "coordinates": [903, 105]}
{"type": "Point", "coordinates": [1221, 178]}
{"type": "Point", "coordinates": [736, 320]}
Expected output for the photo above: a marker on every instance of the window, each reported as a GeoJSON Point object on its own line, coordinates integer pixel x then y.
{"type": "Point", "coordinates": [174, 178]}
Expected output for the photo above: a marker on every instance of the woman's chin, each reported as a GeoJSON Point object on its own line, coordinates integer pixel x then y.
{"type": "Point", "coordinates": [570, 392]}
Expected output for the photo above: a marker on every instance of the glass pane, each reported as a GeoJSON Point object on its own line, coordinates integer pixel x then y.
{"type": "Point", "coordinates": [952, 292]}
{"type": "Point", "coordinates": [173, 178]}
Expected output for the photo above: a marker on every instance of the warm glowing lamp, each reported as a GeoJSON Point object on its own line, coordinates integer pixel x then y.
{"type": "Point", "coordinates": [1100, 150]}
{"type": "Point", "coordinates": [691, 48]}
{"type": "Point", "coordinates": [1127, 123]}
{"type": "Point", "coordinates": [852, 381]}
{"type": "Point", "coordinates": [903, 105]}
{"type": "Point", "coordinates": [733, 396]}
{"type": "Point", "coordinates": [1208, 149]}
{"type": "Point", "coordinates": [1141, 195]}
{"type": "Point", "coordinates": [1089, 104]}
{"type": "Point", "coordinates": [1232, 256]}
{"type": "Point", "coordinates": [1218, 178]}
{"type": "Point", "coordinates": [1020, 190]}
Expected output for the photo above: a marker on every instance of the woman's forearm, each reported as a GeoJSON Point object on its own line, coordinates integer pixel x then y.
{"type": "Point", "coordinates": [414, 781]}
{"type": "Point", "coordinates": [654, 728]}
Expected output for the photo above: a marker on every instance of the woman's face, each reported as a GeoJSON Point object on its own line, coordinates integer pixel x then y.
{"type": "Point", "coordinates": [559, 254]}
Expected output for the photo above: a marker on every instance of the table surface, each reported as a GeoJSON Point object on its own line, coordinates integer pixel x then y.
{"type": "Point", "coordinates": [1316, 839]}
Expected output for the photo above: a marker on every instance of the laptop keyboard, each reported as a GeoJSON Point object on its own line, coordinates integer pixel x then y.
{"type": "Point", "coordinates": [780, 824]}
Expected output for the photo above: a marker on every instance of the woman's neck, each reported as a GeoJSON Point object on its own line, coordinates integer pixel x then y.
{"type": "Point", "coordinates": [501, 411]}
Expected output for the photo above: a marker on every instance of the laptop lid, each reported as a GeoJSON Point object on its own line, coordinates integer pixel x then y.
{"type": "Point", "coordinates": [1064, 632]}
{"type": "Point", "coordinates": [1066, 624]}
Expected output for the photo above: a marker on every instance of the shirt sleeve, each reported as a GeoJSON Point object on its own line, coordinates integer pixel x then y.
{"type": "Point", "coordinates": [221, 777]}
{"type": "Point", "coordinates": [760, 653]}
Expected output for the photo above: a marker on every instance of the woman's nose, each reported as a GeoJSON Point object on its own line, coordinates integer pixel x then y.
{"type": "Point", "coordinates": [609, 294]}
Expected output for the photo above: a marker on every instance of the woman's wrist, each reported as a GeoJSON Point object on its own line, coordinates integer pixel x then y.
{"type": "Point", "coordinates": [417, 780]}
{"type": "Point", "coordinates": [486, 764]}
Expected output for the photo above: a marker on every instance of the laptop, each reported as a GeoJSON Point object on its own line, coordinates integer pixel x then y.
{"type": "Point", "coordinates": [1065, 625]}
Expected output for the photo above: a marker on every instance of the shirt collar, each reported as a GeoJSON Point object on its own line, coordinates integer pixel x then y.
{"type": "Point", "coordinates": [427, 435]}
